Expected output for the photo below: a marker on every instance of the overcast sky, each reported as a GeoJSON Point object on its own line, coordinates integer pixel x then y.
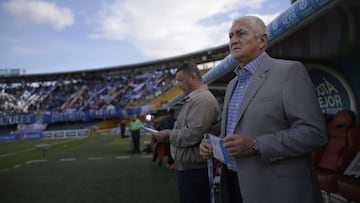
{"type": "Point", "coordinates": [45, 36]}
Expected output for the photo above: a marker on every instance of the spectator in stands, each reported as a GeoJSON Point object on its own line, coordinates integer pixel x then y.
{"type": "Point", "coordinates": [271, 123]}
{"type": "Point", "coordinates": [199, 114]}
{"type": "Point", "coordinates": [134, 127]}
{"type": "Point", "coordinates": [87, 93]}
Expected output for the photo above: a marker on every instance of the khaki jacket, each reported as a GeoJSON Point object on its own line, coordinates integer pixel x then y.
{"type": "Point", "coordinates": [199, 114]}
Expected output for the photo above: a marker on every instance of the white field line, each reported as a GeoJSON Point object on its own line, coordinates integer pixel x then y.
{"type": "Point", "coordinates": [147, 156]}
{"type": "Point", "coordinates": [36, 161]}
{"type": "Point", "coordinates": [15, 153]}
{"type": "Point", "coordinates": [4, 170]}
{"type": "Point", "coordinates": [71, 159]}
{"type": "Point", "coordinates": [122, 157]}
{"type": "Point", "coordinates": [17, 166]}
{"type": "Point", "coordinates": [68, 159]}
{"type": "Point", "coordinates": [29, 149]}
{"type": "Point", "coordinates": [95, 158]}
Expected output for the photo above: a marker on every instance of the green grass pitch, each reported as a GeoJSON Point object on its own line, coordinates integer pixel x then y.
{"type": "Point", "coordinates": [94, 169]}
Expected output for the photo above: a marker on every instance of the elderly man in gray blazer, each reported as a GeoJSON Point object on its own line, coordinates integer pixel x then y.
{"type": "Point", "coordinates": [271, 122]}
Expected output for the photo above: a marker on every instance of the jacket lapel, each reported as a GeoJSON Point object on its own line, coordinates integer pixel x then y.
{"type": "Point", "coordinates": [255, 83]}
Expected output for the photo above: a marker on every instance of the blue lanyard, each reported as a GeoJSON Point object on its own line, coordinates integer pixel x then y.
{"type": "Point", "coordinates": [210, 167]}
{"type": "Point", "coordinates": [211, 179]}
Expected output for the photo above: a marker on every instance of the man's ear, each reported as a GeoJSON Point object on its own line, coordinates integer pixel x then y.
{"type": "Point", "coordinates": [263, 41]}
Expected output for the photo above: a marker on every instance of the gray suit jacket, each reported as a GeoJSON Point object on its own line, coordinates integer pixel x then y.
{"type": "Point", "coordinates": [280, 109]}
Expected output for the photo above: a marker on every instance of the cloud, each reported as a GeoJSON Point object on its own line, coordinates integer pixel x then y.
{"type": "Point", "coordinates": [164, 28]}
{"type": "Point", "coordinates": [40, 12]}
{"type": "Point", "coordinates": [22, 50]}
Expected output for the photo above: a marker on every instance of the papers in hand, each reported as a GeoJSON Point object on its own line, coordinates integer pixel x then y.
{"type": "Point", "coordinates": [219, 151]}
{"type": "Point", "coordinates": [149, 129]}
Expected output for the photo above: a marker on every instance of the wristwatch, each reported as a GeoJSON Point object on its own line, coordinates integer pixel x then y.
{"type": "Point", "coordinates": [254, 147]}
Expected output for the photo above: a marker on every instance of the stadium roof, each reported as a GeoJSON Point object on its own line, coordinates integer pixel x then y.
{"type": "Point", "coordinates": [203, 56]}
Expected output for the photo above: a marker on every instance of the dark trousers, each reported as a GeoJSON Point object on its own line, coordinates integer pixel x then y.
{"type": "Point", "coordinates": [122, 130]}
{"type": "Point", "coordinates": [229, 186]}
{"type": "Point", "coordinates": [135, 135]}
{"type": "Point", "coordinates": [168, 153]}
{"type": "Point", "coordinates": [193, 186]}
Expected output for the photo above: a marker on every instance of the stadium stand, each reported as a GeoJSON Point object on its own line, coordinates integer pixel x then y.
{"type": "Point", "coordinates": [93, 97]}
{"type": "Point", "coordinates": [73, 94]}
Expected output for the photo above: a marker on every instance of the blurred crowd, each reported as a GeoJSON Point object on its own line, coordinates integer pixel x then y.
{"type": "Point", "coordinates": [106, 92]}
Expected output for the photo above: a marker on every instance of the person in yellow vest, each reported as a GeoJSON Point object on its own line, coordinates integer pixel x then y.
{"type": "Point", "coordinates": [134, 127]}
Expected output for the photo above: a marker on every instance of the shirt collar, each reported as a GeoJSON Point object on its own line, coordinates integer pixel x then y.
{"type": "Point", "coordinates": [189, 96]}
{"type": "Point", "coordinates": [251, 67]}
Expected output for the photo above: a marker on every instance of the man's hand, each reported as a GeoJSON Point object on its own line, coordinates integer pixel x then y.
{"type": "Point", "coordinates": [238, 145]}
{"type": "Point", "coordinates": [161, 135]}
{"type": "Point", "coordinates": [205, 150]}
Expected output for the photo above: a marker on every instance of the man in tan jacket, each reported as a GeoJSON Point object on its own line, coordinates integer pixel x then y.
{"type": "Point", "coordinates": [199, 114]}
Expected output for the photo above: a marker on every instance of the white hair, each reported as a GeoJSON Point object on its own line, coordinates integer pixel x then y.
{"type": "Point", "coordinates": [256, 24]}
